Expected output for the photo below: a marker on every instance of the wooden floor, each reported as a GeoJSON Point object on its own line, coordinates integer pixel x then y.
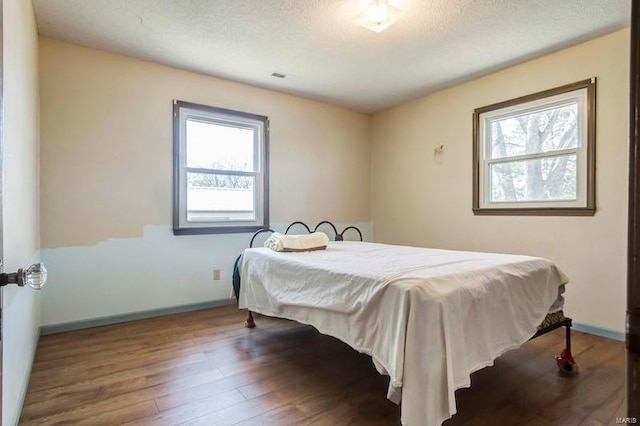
{"type": "Point", "coordinates": [204, 368]}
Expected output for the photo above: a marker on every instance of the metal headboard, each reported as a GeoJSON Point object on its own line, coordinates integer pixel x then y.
{"type": "Point", "coordinates": [339, 236]}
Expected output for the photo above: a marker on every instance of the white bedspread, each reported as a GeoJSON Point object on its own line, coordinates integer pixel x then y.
{"type": "Point", "coordinates": [429, 318]}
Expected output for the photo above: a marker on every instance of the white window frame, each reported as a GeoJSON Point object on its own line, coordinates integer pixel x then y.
{"type": "Point", "coordinates": [582, 93]}
{"type": "Point", "coordinates": [184, 111]}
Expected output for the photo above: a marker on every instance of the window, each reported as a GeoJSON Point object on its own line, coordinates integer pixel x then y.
{"type": "Point", "coordinates": [220, 170]}
{"type": "Point", "coordinates": [535, 155]}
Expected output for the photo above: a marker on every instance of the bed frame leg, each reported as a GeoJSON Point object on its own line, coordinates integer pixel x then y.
{"type": "Point", "coordinates": [250, 323]}
{"type": "Point", "coordinates": [566, 363]}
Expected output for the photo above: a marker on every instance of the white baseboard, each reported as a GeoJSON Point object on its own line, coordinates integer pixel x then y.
{"type": "Point", "coordinates": [599, 331]}
{"type": "Point", "coordinates": [132, 316]}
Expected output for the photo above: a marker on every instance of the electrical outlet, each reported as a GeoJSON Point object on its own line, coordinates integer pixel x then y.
{"type": "Point", "coordinates": [216, 274]}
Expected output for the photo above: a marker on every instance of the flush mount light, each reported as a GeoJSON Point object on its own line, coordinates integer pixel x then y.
{"type": "Point", "coordinates": [379, 15]}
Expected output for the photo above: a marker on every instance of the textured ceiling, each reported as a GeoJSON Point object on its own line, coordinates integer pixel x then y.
{"type": "Point", "coordinates": [324, 54]}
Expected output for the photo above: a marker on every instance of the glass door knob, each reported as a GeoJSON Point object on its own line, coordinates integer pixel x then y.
{"type": "Point", "coordinates": [35, 276]}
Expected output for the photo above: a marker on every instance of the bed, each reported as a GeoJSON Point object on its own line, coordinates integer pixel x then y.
{"type": "Point", "coordinates": [427, 317]}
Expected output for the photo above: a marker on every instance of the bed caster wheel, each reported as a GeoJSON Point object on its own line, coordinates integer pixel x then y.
{"type": "Point", "coordinates": [566, 364]}
{"type": "Point", "coordinates": [249, 323]}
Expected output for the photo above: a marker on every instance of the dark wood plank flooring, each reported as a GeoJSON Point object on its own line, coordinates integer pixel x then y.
{"type": "Point", "coordinates": [204, 368]}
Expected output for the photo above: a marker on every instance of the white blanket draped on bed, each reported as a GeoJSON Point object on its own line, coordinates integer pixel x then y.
{"type": "Point", "coordinates": [429, 318]}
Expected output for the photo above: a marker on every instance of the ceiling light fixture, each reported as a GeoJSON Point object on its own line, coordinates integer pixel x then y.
{"type": "Point", "coordinates": [379, 15]}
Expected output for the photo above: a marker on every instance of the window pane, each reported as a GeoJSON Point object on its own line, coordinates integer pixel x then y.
{"type": "Point", "coordinates": [539, 131]}
{"type": "Point", "coordinates": [542, 179]}
{"type": "Point", "coordinates": [216, 146]}
{"type": "Point", "coordinates": [215, 197]}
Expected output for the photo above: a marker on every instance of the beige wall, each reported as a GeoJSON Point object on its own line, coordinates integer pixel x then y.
{"type": "Point", "coordinates": [21, 306]}
{"type": "Point", "coordinates": [106, 180]}
{"type": "Point", "coordinates": [419, 201]}
{"type": "Point", "coordinates": [107, 147]}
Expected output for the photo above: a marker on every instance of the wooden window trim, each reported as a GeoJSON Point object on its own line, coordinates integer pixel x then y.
{"type": "Point", "coordinates": [590, 208]}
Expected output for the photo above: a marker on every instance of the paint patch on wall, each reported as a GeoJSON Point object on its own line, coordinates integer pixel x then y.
{"type": "Point", "coordinates": [157, 270]}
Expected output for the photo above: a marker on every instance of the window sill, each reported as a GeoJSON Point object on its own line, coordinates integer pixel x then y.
{"type": "Point", "coordinates": [218, 230]}
{"type": "Point", "coordinates": [537, 211]}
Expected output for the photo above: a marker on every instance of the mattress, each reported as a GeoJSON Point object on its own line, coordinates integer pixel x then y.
{"type": "Point", "coordinates": [551, 319]}
{"type": "Point", "coordinates": [428, 318]}
{"type": "Point", "coordinates": [558, 304]}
